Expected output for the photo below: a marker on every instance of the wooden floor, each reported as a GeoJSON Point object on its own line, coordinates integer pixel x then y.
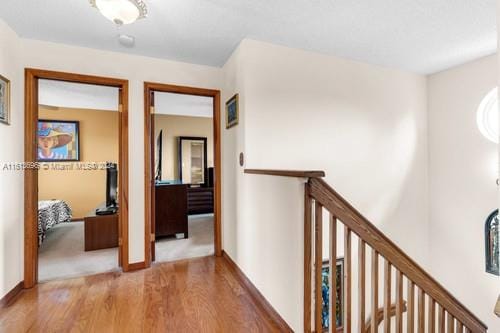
{"type": "Point", "coordinates": [196, 295]}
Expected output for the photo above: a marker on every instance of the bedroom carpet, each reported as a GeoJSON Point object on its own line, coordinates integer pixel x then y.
{"type": "Point", "coordinates": [62, 256]}
{"type": "Point", "coordinates": [199, 244]}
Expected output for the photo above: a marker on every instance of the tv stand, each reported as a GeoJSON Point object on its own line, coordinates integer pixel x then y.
{"type": "Point", "coordinates": [101, 231]}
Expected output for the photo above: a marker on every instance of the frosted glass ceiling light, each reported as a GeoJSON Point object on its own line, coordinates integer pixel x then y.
{"type": "Point", "coordinates": [121, 11]}
{"type": "Point", "coordinates": [487, 116]}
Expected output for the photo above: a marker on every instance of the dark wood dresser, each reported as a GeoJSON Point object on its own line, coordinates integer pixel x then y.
{"type": "Point", "coordinates": [200, 200]}
{"type": "Point", "coordinates": [171, 210]}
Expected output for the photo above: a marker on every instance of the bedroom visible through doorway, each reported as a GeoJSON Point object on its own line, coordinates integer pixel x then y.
{"type": "Point", "coordinates": [78, 151]}
{"type": "Point", "coordinates": [75, 214]}
{"type": "Point", "coordinates": [182, 172]}
{"type": "Point", "coordinates": [184, 176]}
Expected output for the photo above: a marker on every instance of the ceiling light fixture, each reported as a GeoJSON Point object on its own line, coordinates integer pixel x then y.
{"type": "Point", "coordinates": [121, 11]}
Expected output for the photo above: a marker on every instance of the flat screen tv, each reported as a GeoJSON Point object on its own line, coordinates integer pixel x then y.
{"type": "Point", "coordinates": [158, 156]}
{"type": "Point", "coordinates": [111, 184]}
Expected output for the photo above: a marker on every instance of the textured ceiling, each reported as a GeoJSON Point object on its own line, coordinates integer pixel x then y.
{"type": "Point", "coordinates": [77, 95]}
{"type": "Point", "coordinates": [424, 36]}
{"type": "Point", "coordinates": [87, 96]}
{"type": "Point", "coordinates": [183, 105]}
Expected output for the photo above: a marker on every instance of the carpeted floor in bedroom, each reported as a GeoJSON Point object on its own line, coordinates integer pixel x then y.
{"type": "Point", "coordinates": [62, 256]}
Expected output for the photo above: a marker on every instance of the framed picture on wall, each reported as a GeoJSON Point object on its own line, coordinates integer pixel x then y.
{"type": "Point", "coordinates": [325, 294]}
{"type": "Point", "coordinates": [58, 141]}
{"type": "Point", "coordinates": [232, 111]}
{"type": "Point", "coordinates": [4, 100]}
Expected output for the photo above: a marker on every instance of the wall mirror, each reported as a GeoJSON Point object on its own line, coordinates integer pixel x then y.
{"type": "Point", "coordinates": [192, 160]}
{"type": "Point", "coordinates": [492, 243]}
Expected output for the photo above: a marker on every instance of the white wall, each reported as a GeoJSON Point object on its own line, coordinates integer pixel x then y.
{"type": "Point", "coordinates": [462, 190]}
{"type": "Point", "coordinates": [364, 125]}
{"type": "Point", "coordinates": [232, 145]}
{"type": "Point", "coordinates": [11, 182]}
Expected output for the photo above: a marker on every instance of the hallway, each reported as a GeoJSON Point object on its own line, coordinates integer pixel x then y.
{"type": "Point", "coordinates": [194, 295]}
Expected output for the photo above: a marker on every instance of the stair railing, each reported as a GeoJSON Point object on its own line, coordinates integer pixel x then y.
{"type": "Point", "coordinates": [428, 307]}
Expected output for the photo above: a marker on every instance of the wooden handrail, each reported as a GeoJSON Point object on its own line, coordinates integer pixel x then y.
{"type": "Point", "coordinates": [288, 173]}
{"type": "Point", "coordinates": [328, 198]}
{"type": "Point", "coordinates": [319, 194]}
{"type": "Point", "coordinates": [380, 316]}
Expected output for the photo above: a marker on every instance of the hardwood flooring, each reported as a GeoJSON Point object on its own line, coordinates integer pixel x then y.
{"type": "Point", "coordinates": [194, 295]}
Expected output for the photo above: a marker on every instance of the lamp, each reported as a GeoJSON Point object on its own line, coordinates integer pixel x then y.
{"type": "Point", "coordinates": [121, 11]}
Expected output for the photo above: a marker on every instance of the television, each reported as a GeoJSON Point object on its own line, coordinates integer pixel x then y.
{"type": "Point", "coordinates": [111, 184]}
{"type": "Point", "coordinates": [158, 156]}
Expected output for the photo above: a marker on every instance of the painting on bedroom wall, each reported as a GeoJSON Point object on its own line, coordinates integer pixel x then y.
{"type": "Point", "coordinates": [58, 141]}
{"type": "Point", "coordinates": [325, 293]}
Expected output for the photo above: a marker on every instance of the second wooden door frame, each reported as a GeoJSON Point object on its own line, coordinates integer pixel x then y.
{"type": "Point", "coordinates": [149, 89]}
{"type": "Point", "coordinates": [32, 77]}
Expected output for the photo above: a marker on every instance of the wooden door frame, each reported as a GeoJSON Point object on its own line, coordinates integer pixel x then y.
{"type": "Point", "coordinates": [32, 77]}
{"type": "Point", "coordinates": [149, 88]}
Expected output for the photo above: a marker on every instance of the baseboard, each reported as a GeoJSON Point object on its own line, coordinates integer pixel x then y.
{"type": "Point", "coordinates": [136, 266]}
{"type": "Point", "coordinates": [11, 294]}
{"type": "Point", "coordinates": [255, 294]}
{"type": "Point", "coordinates": [76, 219]}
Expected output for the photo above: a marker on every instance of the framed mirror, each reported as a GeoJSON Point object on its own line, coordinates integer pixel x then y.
{"type": "Point", "coordinates": [192, 160]}
{"type": "Point", "coordinates": [492, 243]}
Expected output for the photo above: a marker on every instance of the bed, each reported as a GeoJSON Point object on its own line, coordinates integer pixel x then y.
{"type": "Point", "coordinates": [51, 213]}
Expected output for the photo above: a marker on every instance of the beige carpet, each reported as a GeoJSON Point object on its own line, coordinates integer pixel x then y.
{"type": "Point", "coordinates": [199, 243]}
{"type": "Point", "coordinates": [62, 253]}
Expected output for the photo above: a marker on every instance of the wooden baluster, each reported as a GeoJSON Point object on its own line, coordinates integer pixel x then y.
{"type": "Point", "coordinates": [449, 323]}
{"type": "Point", "coordinates": [347, 280]}
{"type": "Point", "coordinates": [399, 302]}
{"type": "Point", "coordinates": [411, 307]}
{"type": "Point", "coordinates": [318, 243]}
{"type": "Point", "coordinates": [431, 316]}
{"type": "Point", "coordinates": [332, 310]}
{"type": "Point", "coordinates": [387, 297]}
{"type": "Point", "coordinates": [374, 310]}
{"type": "Point", "coordinates": [361, 284]}
{"type": "Point", "coordinates": [421, 311]}
{"type": "Point", "coordinates": [307, 259]}
{"type": "Point", "coordinates": [441, 320]}
{"type": "Point", "coordinates": [460, 327]}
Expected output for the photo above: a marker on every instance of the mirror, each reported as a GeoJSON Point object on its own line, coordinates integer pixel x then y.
{"type": "Point", "coordinates": [492, 243]}
{"type": "Point", "coordinates": [192, 160]}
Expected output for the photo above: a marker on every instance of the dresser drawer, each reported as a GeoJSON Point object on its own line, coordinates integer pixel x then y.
{"type": "Point", "coordinates": [200, 200]}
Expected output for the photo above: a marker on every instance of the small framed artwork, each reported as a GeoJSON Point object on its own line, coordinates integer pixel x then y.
{"type": "Point", "coordinates": [325, 293]}
{"type": "Point", "coordinates": [232, 111]}
{"type": "Point", "coordinates": [4, 100]}
{"type": "Point", "coordinates": [58, 141]}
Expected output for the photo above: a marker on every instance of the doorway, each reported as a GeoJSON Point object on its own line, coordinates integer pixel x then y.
{"type": "Point", "coordinates": [33, 77]}
{"type": "Point", "coordinates": [205, 180]}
